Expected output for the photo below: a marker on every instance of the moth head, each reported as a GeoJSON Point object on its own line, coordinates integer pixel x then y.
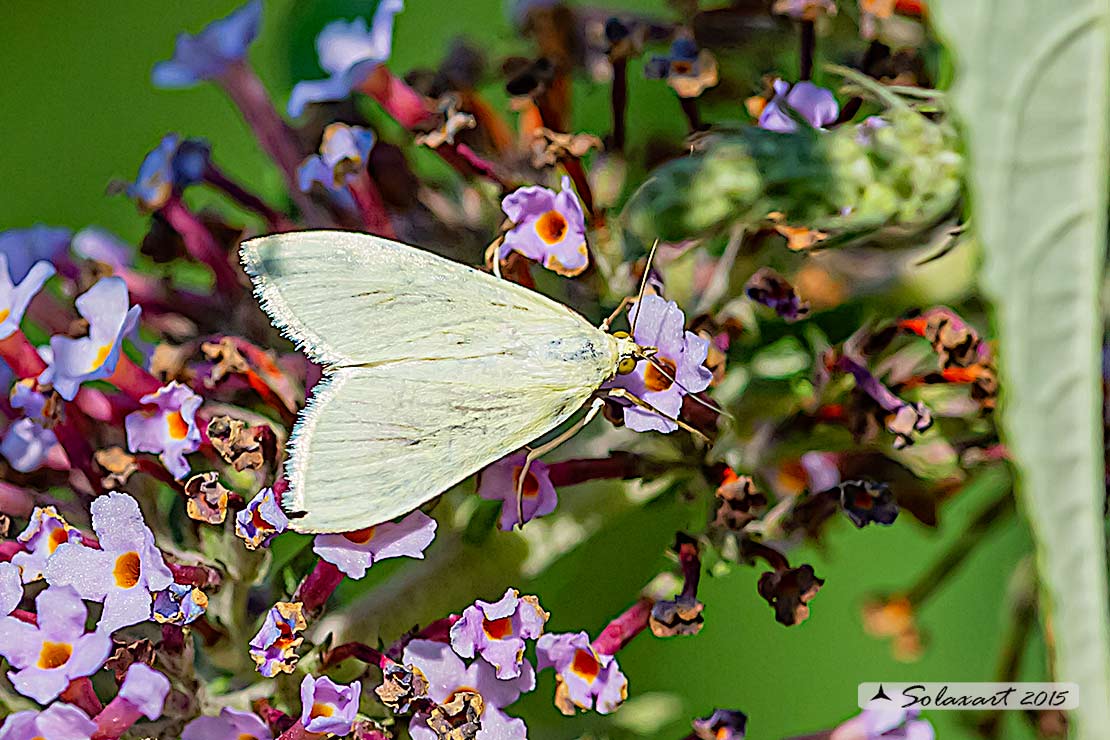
{"type": "Point", "coordinates": [629, 353]}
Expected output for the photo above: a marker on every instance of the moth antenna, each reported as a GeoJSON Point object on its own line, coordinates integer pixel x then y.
{"type": "Point", "coordinates": [693, 396]}
{"type": "Point", "coordinates": [643, 284]}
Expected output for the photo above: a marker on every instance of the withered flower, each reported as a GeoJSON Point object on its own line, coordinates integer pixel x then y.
{"type": "Point", "coordinates": [118, 466]}
{"type": "Point", "coordinates": [458, 718]}
{"type": "Point", "coordinates": [449, 123]}
{"type": "Point", "coordinates": [688, 70]}
{"type": "Point", "coordinates": [139, 651]}
{"type": "Point", "coordinates": [804, 10]}
{"type": "Point", "coordinates": [798, 238]}
{"type": "Point", "coordinates": [739, 501]}
{"type": "Point", "coordinates": [771, 289]}
{"type": "Point", "coordinates": [723, 724]}
{"type": "Point", "coordinates": [245, 447]}
{"type": "Point", "coordinates": [789, 592]}
{"type": "Point", "coordinates": [206, 498]}
{"type": "Point", "coordinates": [679, 616]}
{"type": "Point", "coordinates": [401, 686]}
{"type": "Point", "coordinates": [550, 147]}
{"type": "Point", "coordinates": [865, 501]}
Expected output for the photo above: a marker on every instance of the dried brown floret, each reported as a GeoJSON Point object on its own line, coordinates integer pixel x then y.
{"type": "Point", "coordinates": [206, 498]}
{"type": "Point", "coordinates": [458, 718]}
{"type": "Point", "coordinates": [789, 592]}
{"type": "Point", "coordinates": [245, 447]}
{"type": "Point", "coordinates": [679, 616]}
{"type": "Point", "coordinates": [401, 686]}
{"type": "Point", "coordinates": [118, 465]}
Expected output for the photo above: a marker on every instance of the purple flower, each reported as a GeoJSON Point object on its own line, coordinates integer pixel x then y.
{"type": "Point", "coordinates": [57, 722]}
{"type": "Point", "coordinates": [11, 588]}
{"type": "Point", "coordinates": [499, 480]}
{"type": "Point", "coordinates": [868, 128]}
{"type": "Point", "coordinates": [585, 679]}
{"type": "Point", "coordinates": [145, 689]}
{"type": "Point", "coordinates": [354, 552]}
{"type": "Point", "coordinates": [343, 153]}
{"type": "Point", "coordinates": [179, 604]}
{"type": "Point", "coordinates": [26, 445]}
{"type": "Point", "coordinates": [48, 655]}
{"type": "Point", "coordinates": [123, 573]}
{"type": "Point", "coordinates": [327, 706]}
{"type": "Point", "coordinates": [885, 720]}
{"type": "Point", "coordinates": [42, 536]}
{"type": "Point", "coordinates": [169, 428]}
{"type": "Point", "coordinates": [106, 307]}
{"type": "Point", "coordinates": [497, 631]}
{"type": "Point", "coordinates": [170, 167]}
{"type": "Point", "coordinates": [100, 245]}
{"type": "Point", "coordinates": [681, 353]}
{"type": "Point", "coordinates": [821, 470]}
{"type": "Point", "coordinates": [211, 52]}
{"type": "Point", "coordinates": [447, 675]}
{"type": "Point", "coordinates": [814, 104]}
{"type": "Point", "coordinates": [261, 521]}
{"type": "Point", "coordinates": [274, 648]}
{"type": "Point", "coordinates": [25, 247]}
{"type": "Point", "coordinates": [548, 227]}
{"type": "Point", "coordinates": [232, 724]}
{"type": "Point", "coordinates": [16, 294]}
{"type": "Point", "coordinates": [348, 52]}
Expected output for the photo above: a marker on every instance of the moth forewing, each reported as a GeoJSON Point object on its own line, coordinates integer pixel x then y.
{"type": "Point", "coordinates": [433, 370]}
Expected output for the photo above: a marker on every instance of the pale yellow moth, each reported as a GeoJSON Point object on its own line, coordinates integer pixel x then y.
{"type": "Point", "coordinates": [432, 370]}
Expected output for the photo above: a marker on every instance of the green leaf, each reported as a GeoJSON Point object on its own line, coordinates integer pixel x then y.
{"type": "Point", "coordinates": [1031, 91]}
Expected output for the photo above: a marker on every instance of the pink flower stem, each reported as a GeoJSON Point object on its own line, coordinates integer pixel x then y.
{"type": "Point", "coordinates": [80, 693]}
{"type": "Point", "coordinates": [277, 720]}
{"type": "Point", "coordinates": [173, 639]}
{"type": "Point", "coordinates": [409, 108]}
{"type": "Point", "coordinates": [15, 501]}
{"type": "Point", "coordinates": [20, 355]}
{"type": "Point", "coordinates": [371, 207]}
{"type": "Point", "coordinates": [8, 548]}
{"type": "Point", "coordinates": [115, 719]}
{"type": "Point", "coordinates": [76, 445]}
{"type": "Point", "coordinates": [621, 630]}
{"type": "Point", "coordinates": [622, 465]}
{"type": "Point", "coordinates": [318, 586]}
{"type": "Point", "coordinates": [25, 616]}
{"type": "Point", "coordinates": [298, 732]}
{"type": "Point", "coordinates": [200, 576]}
{"type": "Point", "coordinates": [274, 135]}
{"type": "Point", "coordinates": [202, 246]}
{"type": "Point", "coordinates": [132, 379]}
{"type": "Point", "coordinates": [275, 220]}
{"type": "Point", "coordinates": [689, 561]}
{"type": "Point", "coordinates": [357, 650]}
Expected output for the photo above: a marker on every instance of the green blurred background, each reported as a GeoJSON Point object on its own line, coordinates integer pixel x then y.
{"type": "Point", "coordinates": [78, 111]}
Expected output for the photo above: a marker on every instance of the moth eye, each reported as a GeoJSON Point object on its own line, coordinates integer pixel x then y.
{"type": "Point", "coordinates": [620, 334]}
{"type": "Point", "coordinates": [626, 365]}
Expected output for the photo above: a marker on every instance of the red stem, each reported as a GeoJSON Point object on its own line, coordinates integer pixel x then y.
{"type": "Point", "coordinates": [318, 586]}
{"type": "Point", "coordinates": [21, 356]}
{"type": "Point", "coordinates": [201, 245]}
{"type": "Point", "coordinates": [623, 465]}
{"type": "Point", "coordinates": [115, 719]}
{"type": "Point", "coordinates": [371, 206]}
{"type": "Point", "coordinates": [132, 379]}
{"type": "Point", "coordinates": [358, 650]}
{"type": "Point", "coordinates": [621, 630]}
{"type": "Point", "coordinates": [80, 693]}
{"type": "Point", "coordinates": [275, 220]}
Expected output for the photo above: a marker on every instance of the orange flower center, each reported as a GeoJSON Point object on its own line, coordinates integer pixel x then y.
{"type": "Point", "coordinates": [101, 356]}
{"type": "Point", "coordinates": [654, 378]}
{"type": "Point", "coordinates": [4, 314]}
{"type": "Point", "coordinates": [681, 67]}
{"type": "Point", "coordinates": [498, 629]}
{"type": "Point", "coordinates": [127, 570]}
{"type": "Point", "coordinates": [551, 227]}
{"type": "Point", "coordinates": [246, 736]}
{"type": "Point", "coordinates": [360, 536]}
{"type": "Point", "coordinates": [258, 521]}
{"type": "Point", "coordinates": [531, 487]}
{"type": "Point", "coordinates": [178, 427]}
{"type": "Point", "coordinates": [320, 709]}
{"type": "Point", "coordinates": [586, 665]}
{"type": "Point", "coordinates": [55, 538]}
{"type": "Point", "coordinates": [54, 654]}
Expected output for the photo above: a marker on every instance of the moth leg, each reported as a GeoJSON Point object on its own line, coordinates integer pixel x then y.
{"type": "Point", "coordinates": [623, 394]}
{"type": "Point", "coordinates": [538, 452]}
{"type": "Point", "coordinates": [623, 304]}
{"type": "Point", "coordinates": [493, 256]}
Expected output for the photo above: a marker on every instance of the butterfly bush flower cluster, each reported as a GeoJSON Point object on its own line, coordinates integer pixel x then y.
{"type": "Point", "coordinates": [152, 581]}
